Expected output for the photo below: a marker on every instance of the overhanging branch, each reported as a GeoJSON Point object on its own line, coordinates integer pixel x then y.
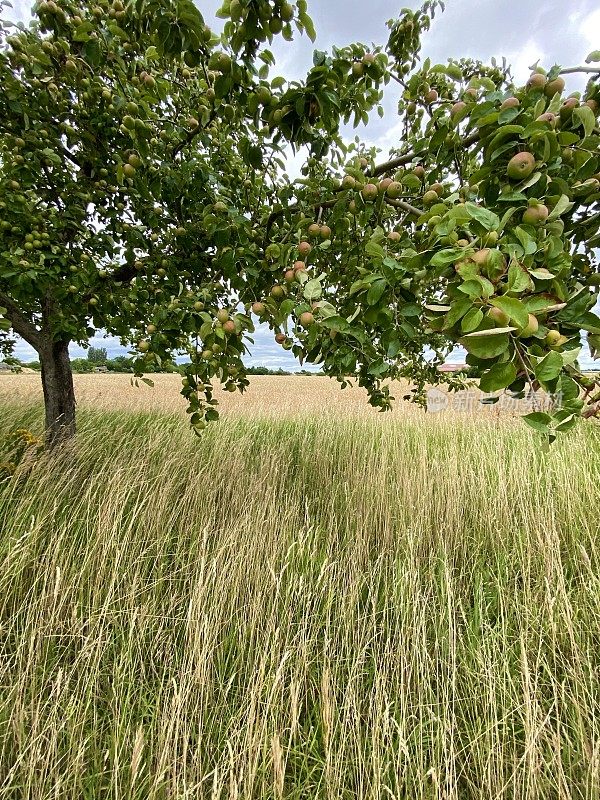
{"type": "Point", "coordinates": [404, 206]}
{"type": "Point", "coordinates": [20, 324]}
{"type": "Point", "coordinates": [400, 161]}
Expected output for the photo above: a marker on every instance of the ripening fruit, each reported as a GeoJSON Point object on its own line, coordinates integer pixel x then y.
{"type": "Point", "coordinates": [222, 315]}
{"type": "Point", "coordinates": [552, 338]}
{"type": "Point", "coordinates": [278, 292]}
{"type": "Point", "coordinates": [537, 81]}
{"type": "Point", "coordinates": [304, 248]}
{"type": "Point", "coordinates": [480, 257]}
{"type": "Point", "coordinates": [531, 327]}
{"type": "Point", "coordinates": [348, 182]}
{"type": "Point", "coordinates": [198, 306]}
{"type": "Point", "coordinates": [299, 265]}
{"type": "Point", "coordinates": [510, 102]}
{"type": "Point", "coordinates": [394, 236]}
{"type": "Point", "coordinates": [258, 309]}
{"type": "Point", "coordinates": [430, 197]}
{"type": "Point", "coordinates": [289, 276]}
{"type": "Point", "coordinates": [306, 319]}
{"type": "Point", "coordinates": [556, 86]}
{"type": "Point", "coordinates": [128, 170]}
{"type": "Point", "coordinates": [566, 109]}
{"type": "Point", "coordinates": [384, 184]}
{"type": "Point", "coordinates": [280, 338]}
{"type": "Point", "coordinates": [394, 190]}
{"type": "Point", "coordinates": [286, 11]}
{"type": "Point", "coordinates": [314, 229]}
{"type": "Point", "coordinates": [535, 215]}
{"type": "Point", "coordinates": [548, 117]}
{"type": "Point", "coordinates": [358, 69]}
{"type": "Point", "coordinates": [151, 329]}
{"type": "Point", "coordinates": [457, 108]}
{"type": "Point", "coordinates": [363, 163]}
{"type": "Point", "coordinates": [419, 171]}
{"type": "Point", "coordinates": [369, 191]}
{"type": "Point", "coordinates": [325, 232]}
{"type": "Point", "coordinates": [229, 327]}
{"type": "Point", "coordinates": [143, 346]}
{"type": "Point", "coordinates": [135, 160]}
{"type": "Point", "coordinates": [520, 166]}
{"type": "Point", "coordinates": [501, 318]}
{"type": "Point", "coordinates": [431, 96]}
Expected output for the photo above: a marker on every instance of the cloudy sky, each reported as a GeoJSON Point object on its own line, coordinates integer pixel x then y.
{"type": "Point", "coordinates": [553, 31]}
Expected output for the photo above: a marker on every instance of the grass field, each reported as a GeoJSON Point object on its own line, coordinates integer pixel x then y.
{"type": "Point", "coordinates": [317, 606]}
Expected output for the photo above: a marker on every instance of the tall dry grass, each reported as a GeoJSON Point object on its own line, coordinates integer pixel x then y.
{"type": "Point", "coordinates": [300, 609]}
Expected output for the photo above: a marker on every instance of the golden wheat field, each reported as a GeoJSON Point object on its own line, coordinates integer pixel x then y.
{"type": "Point", "coordinates": [280, 396]}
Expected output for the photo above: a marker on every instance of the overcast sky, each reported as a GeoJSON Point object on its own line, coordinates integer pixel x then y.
{"type": "Point", "coordinates": [553, 31]}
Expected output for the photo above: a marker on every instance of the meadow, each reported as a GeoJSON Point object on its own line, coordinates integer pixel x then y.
{"type": "Point", "coordinates": [313, 600]}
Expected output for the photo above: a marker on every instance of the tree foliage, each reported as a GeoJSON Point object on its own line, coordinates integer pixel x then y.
{"type": "Point", "coordinates": [143, 191]}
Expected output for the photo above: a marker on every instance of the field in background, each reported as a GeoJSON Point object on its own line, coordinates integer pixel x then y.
{"type": "Point", "coordinates": [270, 396]}
{"type": "Point", "coordinates": [304, 608]}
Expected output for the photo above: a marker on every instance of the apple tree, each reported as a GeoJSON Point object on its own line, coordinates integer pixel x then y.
{"type": "Point", "coordinates": [479, 230]}
{"type": "Point", "coordinates": [139, 155]}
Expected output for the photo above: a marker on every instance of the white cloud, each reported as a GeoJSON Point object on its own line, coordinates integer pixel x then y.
{"type": "Point", "coordinates": [589, 28]}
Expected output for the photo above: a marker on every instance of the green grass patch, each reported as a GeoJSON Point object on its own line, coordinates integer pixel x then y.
{"type": "Point", "coordinates": [300, 609]}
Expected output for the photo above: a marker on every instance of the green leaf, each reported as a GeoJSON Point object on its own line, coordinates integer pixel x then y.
{"type": "Point", "coordinates": [471, 320]}
{"type": "Point", "coordinates": [308, 25]}
{"type": "Point", "coordinates": [514, 308]}
{"type": "Point", "coordinates": [312, 290]}
{"type": "Point", "coordinates": [488, 219]}
{"type": "Point", "coordinates": [566, 423]}
{"type": "Point", "coordinates": [498, 377]}
{"type": "Point", "coordinates": [448, 256]}
{"type": "Point", "coordinates": [508, 115]}
{"type": "Point", "coordinates": [376, 291]}
{"type": "Point", "coordinates": [488, 346]}
{"type": "Point", "coordinates": [374, 250]}
{"type": "Point", "coordinates": [583, 115]}
{"type": "Point", "coordinates": [542, 274]}
{"type": "Point", "coordinates": [458, 310]}
{"type": "Point", "coordinates": [593, 56]}
{"type": "Point", "coordinates": [563, 204]}
{"type": "Point", "coordinates": [518, 278]}
{"type": "Point", "coordinates": [549, 367]}
{"type": "Point", "coordinates": [538, 421]}
{"type": "Point", "coordinates": [528, 242]}
{"type": "Point", "coordinates": [589, 322]}
{"type": "Point", "coordinates": [489, 332]}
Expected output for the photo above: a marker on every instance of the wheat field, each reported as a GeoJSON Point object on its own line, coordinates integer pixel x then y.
{"type": "Point", "coordinates": [342, 606]}
{"type": "Point", "coordinates": [267, 396]}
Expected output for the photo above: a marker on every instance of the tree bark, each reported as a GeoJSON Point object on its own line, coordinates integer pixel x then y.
{"type": "Point", "coordinates": [59, 395]}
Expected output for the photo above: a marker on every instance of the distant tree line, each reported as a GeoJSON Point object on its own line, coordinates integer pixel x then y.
{"type": "Point", "coordinates": [98, 357]}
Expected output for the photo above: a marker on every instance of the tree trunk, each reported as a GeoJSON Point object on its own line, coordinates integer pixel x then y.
{"type": "Point", "coordinates": [59, 395]}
